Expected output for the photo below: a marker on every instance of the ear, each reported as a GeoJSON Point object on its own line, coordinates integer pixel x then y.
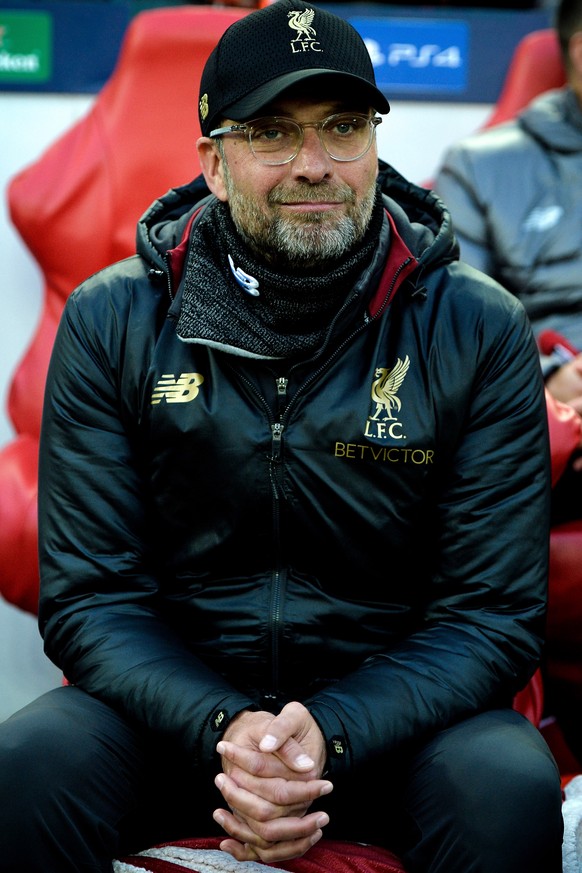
{"type": "Point", "coordinates": [212, 166]}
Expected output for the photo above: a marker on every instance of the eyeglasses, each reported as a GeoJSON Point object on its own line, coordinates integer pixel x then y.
{"type": "Point", "coordinates": [274, 141]}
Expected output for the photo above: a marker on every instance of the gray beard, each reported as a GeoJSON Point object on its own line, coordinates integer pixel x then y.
{"type": "Point", "coordinates": [303, 241]}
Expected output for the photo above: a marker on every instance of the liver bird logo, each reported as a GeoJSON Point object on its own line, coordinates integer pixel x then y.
{"type": "Point", "coordinates": [301, 22]}
{"type": "Point", "coordinates": [385, 389]}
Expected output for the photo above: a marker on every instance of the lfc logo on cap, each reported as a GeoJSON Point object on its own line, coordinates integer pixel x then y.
{"type": "Point", "coordinates": [203, 105]}
{"type": "Point", "coordinates": [305, 39]}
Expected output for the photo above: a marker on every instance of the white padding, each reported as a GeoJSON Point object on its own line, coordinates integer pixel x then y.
{"type": "Point", "coordinates": [199, 860]}
{"type": "Point", "coordinates": [572, 813]}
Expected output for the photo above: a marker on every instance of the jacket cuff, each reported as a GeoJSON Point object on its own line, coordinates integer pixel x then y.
{"type": "Point", "coordinates": [212, 730]}
{"type": "Point", "coordinates": [339, 753]}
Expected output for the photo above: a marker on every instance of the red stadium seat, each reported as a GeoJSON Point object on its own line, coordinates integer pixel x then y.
{"type": "Point", "coordinates": [536, 66]}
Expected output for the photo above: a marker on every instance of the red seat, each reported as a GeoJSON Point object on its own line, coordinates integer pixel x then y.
{"type": "Point", "coordinates": [76, 208]}
{"type": "Point", "coordinates": [536, 66]}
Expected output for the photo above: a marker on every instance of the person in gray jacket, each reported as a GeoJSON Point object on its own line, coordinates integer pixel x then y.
{"type": "Point", "coordinates": [514, 193]}
{"type": "Point", "coordinates": [515, 196]}
{"type": "Point", "coordinates": [293, 509]}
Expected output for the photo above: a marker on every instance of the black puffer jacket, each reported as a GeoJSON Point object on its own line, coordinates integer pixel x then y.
{"type": "Point", "coordinates": [366, 532]}
{"type": "Point", "coordinates": [514, 195]}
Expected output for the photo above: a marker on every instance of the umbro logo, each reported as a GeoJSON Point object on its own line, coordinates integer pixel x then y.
{"type": "Point", "coordinates": [181, 390]}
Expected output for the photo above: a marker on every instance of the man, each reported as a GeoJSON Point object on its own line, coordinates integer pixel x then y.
{"type": "Point", "coordinates": [293, 509]}
{"type": "Point", "coordinates": [513, 192]}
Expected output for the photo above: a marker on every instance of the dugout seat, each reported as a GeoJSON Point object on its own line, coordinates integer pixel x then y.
{"type": "Point", "coordinates": [535, 66]}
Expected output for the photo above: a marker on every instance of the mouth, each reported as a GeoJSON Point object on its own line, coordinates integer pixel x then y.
{"type": "Point", "coordinates": [321, 198]}
{"type": "Point", "coordinates": [311, 205]}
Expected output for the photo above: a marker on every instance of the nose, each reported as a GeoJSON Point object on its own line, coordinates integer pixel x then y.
{"type": "Point", "coordinates": [312, 161]}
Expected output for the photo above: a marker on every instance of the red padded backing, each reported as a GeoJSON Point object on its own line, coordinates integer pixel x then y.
{"type": "Point", "coordinates": [77, 206]}
{"type": "Point", "coordinates": [530, 700]}
{"type": "Point", "coordinates": [536, 66]}
{"type": "Point", "coordinates": [327, 856]}
{"type": "Point", "coordinates": [18, 523]}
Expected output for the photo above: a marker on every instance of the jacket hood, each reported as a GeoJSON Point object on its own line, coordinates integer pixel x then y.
{"type": "Point", "coordinates": [554, 119]}
{"type": "Point", "coordinates": [420, 217]}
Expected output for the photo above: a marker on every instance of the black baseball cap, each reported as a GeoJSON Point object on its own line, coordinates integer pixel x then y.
{"type": "Point", "coordinates": [273, 48]}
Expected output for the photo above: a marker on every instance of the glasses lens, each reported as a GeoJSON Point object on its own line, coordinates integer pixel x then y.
{"type": "Point", "coordinates": [275, 140]}
{"type": "Point", "coordinates": [347, 137]}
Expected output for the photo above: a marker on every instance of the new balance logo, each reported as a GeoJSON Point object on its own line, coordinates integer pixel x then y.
{"type": "Point", "coordinates": [543, 218]}
{"type": "Point", "coordinates": [180, 390]}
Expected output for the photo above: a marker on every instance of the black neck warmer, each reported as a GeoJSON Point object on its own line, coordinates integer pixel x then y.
{"type": "Point", "coordinates": [291, 312]}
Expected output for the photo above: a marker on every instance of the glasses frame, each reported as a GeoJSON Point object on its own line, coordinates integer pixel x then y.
{"type": "Point", "coordinates": [248, 129]}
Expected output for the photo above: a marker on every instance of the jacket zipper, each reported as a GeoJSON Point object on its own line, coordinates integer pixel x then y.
{"type": "Point", "coordinates": [283, 407]}
{"type": "Point", "coordinates": [278, 580]}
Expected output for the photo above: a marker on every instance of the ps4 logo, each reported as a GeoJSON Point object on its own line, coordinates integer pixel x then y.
{"type": "Point", "coordinates": [424, 55]}
{"type": "Point", "coordinates": [418, 55]}
{"type": "Point", "coordinates": [415, 56]}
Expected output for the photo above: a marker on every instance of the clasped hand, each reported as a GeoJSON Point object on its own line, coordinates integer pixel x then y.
{"type": "Point", "coordinates": [272, 768]}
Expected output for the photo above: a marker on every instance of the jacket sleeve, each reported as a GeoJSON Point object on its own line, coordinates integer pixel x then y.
{"type": "Point", "coordinates": [459, 187]}
{"type": "Point", "coordinates": [100, 613]}
{"type": "Point", "coordinates": [481, 635]}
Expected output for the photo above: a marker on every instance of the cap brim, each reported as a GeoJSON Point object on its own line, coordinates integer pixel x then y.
{"type": "Point", "coordinates": [251, 104]}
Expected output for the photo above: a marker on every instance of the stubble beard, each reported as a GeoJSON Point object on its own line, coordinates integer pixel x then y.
{"type": "Point", "coordinates": [304, 239]}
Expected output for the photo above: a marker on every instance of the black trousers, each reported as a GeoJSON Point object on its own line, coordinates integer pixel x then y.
{"type": "Point", "coordinates": [79, 786]}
